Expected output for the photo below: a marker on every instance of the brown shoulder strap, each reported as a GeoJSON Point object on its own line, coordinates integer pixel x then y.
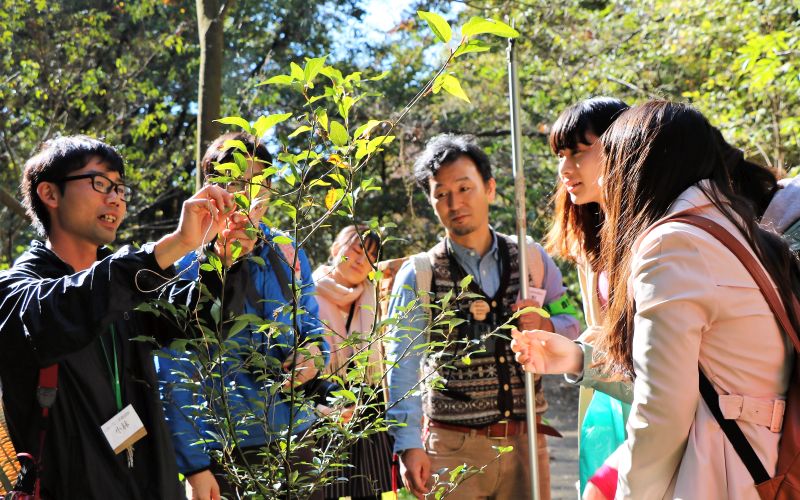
{"type": "Point", "coordinates": [753, 267]}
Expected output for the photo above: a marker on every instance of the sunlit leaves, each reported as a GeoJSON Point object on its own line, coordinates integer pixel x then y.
{"type": "Point", "coordinates": [479, 25]}
{"type": "Point", "coordinates": [313, 67]}
{"type": "Point", "coordinates": [282, 240]}
{"type": "Point", "coordinates": [338, 133]}
{"type": "Point", "coordinates": [331, 197]}
{"type": "Point", "coordinates": [474, 45]}
{"type": "Point", "coordinates": [451, 85]}
{"type": "Point", "coordinates": [278, 80]}
{"type": "Point", "coordinates": [235, 121]}
{"type": "Point", "coordinates": [265, 123]}
{"type": "Point", "coordinates": [365, 129]}
{"type": "Point", "coordinates": [437, 24]}
{"type": "Point", "coordinates": [368, 147]}
{"type": "Point", "coordinates": [235, 144]}
{"type": "Point", "coordinates": [299, 130]}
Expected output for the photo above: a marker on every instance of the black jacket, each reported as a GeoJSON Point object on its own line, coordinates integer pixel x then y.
{"type": "Point", "coordinates": [50, 314]}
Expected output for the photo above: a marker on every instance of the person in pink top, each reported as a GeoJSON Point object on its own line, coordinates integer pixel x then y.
{"type": "Point", "coordinates": [347, 307]}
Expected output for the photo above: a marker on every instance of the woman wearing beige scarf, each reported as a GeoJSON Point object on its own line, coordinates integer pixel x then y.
{"type": "Point", "coordinates": [347, 306]}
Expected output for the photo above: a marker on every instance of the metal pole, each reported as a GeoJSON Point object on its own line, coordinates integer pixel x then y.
{"type": "Point", "coordinates": [522, 234]}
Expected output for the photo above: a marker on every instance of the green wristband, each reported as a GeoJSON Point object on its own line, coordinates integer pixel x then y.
{"type": "Point", "coordinates": [562, 305]}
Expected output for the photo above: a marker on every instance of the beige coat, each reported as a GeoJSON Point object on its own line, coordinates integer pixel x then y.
{"type": "Point", "coordinates": [592, 310]}
{"type": "Point", "coordinates": [695, 301]}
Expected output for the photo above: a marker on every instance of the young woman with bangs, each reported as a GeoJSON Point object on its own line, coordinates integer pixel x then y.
{"type": "Point", "coordinates": [682, 303]}
{"type": "Point", "coordinates": [575, 237]}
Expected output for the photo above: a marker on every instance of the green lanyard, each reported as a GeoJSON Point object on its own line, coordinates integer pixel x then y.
{"type": "Point", "coordinates": [115, 373]}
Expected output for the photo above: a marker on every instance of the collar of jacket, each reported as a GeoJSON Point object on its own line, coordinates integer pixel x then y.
{"type": "Point", "coordinates": [45, 261]}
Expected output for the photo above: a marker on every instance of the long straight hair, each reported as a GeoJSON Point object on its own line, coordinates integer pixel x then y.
{"type": "Point", "coordinates": [575, 233]}
{"type": "Point", "coordinates": [652, 153]}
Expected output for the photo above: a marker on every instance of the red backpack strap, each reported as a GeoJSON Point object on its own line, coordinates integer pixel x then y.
{"type": "Point", "coordinates": [731, 429]}
{"type": "Point", "coordinates": [46, 396]}
{"type": "Point", "coordinates": [753, 267]}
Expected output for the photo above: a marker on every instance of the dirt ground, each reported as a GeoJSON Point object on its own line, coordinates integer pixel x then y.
{"type": "Point", "coordinates": [563, 415]}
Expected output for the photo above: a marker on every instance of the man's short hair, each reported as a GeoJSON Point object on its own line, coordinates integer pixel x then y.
{"type": "Point", "coordinates": [443, 150]}
{"type": "Point", "coordinates": [218, 153]}
{"type": "Point", "coordinates": [56, 159]}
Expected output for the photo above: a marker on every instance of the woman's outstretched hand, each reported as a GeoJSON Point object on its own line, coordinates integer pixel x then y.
{"type": "Point", "coordinates": [546, 352]}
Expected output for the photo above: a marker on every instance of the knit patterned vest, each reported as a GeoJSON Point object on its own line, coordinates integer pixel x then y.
{"type": "Point", "coordinates": [492, 386]}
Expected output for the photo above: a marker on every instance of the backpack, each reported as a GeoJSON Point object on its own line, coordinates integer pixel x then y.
{"type": "Point", "coordinates": [785, 485]}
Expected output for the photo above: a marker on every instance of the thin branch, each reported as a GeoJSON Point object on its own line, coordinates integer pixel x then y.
{"type": "Point", "coordinates": [12, 203]}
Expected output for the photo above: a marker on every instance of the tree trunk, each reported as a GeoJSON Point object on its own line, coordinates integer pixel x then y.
{"type": "Point", "coordinates": [210, 20]}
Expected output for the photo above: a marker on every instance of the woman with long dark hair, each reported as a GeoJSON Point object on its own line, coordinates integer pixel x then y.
{"type": "Point", "coordinates": [681, 302]}
{"type": "Point", "coordinates": [575, 236]}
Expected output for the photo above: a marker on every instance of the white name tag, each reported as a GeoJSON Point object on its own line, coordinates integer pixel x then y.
{"type": "Point", "coordinates": [537, 295]}
{"type": "Point", "coordinates": [124, 429]}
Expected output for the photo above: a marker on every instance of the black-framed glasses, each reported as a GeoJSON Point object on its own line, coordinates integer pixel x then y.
{"type": "Point", "coordinates": [104, 185]}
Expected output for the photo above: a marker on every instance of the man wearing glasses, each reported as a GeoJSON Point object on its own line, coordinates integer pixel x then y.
{"type": "Point", "coordinates": [79, 396]}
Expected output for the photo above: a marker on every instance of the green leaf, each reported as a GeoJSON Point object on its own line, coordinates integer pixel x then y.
{"type": "Point", "coordinates": [334, 74]}
{"type": "Point", "coordinates": [530, 310]}
{"type": "Point", "coordinates": [451, 85]}
{"type": "Point", "coordinates": [475, 45]}
{"type": "Point", "coordinates": [313, 67]}
{"type": "Point", "coordinates": [365, 128]}
{"type": "Point", "coordinates": [229, 144]}
{"type": "Point", "coordinates": [339, 179]}
{"type": "Point", "coordinates": [344, 393]}
{"type": "Point", "coordinates": [265, 123]}
{"type": "Point", "coordinates": [282, 240]}
{"type": "Point", "coordinates": [465, 282]}
{"type": "Point", "coordinates": [322, 118]}
{"type": "Point", "coordinates": [466, 360]}
{"type": "Point", "coordinates": [238, 327]}
{"type": "Point", "coordinates": [299, 130]}
{"type": "Point", "coordinates": [235, 120]}
{"type": "Point", "coordinates": [278, 80]}
{"type": "Point", "coordinates": [380, 77]}
{"type": "Point", "coordinates": [379, 142]}
{"type": "Point", "coordinates": [438, 25]}
{"type": "Point", "coordinates": [344, 106]}
{"type": "Point", "coordinates": [479, 25]}
{"type": "Point", "coordinates": [297, 72]}
{"type": "Point", "coordinates": [241, 162]}
{"type": "Point", "coordinates": [338, 133]}
{"type": "Point", "coordinates": [229, 167]}
{"type": "Point", "coordinates": [456, 471]}
{"type": "Point", "coordinates": [215, 261]}
{"type": "Point", "coordinates": [242, 201]}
